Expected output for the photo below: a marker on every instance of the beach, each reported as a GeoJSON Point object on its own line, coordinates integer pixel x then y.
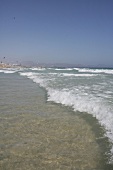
{"type": "Point", "coordinates": [3, 65]}
{"type": "Point", "coordinates": [37, 133]}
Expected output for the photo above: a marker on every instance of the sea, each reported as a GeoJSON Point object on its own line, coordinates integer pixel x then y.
{"type": "Point", "coordinates": [56, 118]}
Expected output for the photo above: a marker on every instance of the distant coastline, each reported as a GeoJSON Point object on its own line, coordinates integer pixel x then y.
{"type": "Point", "coordinates": [50, 65]}
{"type": "Point", "coordinates": [3, 65]}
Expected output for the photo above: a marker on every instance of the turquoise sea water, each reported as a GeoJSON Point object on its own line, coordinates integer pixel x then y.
{"type": "Point", "coordinates": [56, 118]}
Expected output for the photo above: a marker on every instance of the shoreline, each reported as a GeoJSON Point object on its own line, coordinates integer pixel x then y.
{"type": "Point", "coordinates": [3, 65]}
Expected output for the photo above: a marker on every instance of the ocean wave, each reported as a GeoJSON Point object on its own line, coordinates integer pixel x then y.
{"type": "Point", "coordinates": [7, 71]}
{"type": "Point", "coordinates": [12, 70]}
{"type": "Point", "coordinates": [1, 71]}
{"type": "Point", "coordinates": [37, 69]}
{"type": "Point", "coordinates": [107, 71]}
{"type": "Point", "coordinates": [79, 75]}
{"type": "Point", "coordinates": [58, 69]}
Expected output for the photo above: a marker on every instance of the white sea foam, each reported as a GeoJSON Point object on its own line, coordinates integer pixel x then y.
{"type": "Point", "coordinates": [75, 75]}
{"type": "Point", "coordinates": [7, 71]}
{"type": "Point", "coordinates": [107, 71]}
{"type": "Point", "coordinates": [53, 73]}
{"type": "Point", "coordinates": [29, 75]}
{"type": "Point", "coordinates": [26, 74]}
{"type": "Point", "coordinates": [63, 69]}
{"type": "Point", "coordinates": [39, 69]}
{"type": "Point", "coordinates": [12, 70]}
{"type": "Point", "coordinates": [1, 71]}
{"type": "Point", "coordinates": [79, 75]}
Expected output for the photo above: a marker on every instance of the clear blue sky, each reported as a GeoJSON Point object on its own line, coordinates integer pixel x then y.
{"type": "Point", "coordinates": [62, 31]}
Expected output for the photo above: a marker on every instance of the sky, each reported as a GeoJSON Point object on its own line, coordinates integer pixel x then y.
{"type": "Point", "coordinates": [57, 31]}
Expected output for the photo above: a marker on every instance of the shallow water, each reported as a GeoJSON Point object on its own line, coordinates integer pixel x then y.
{"type": "Point", "coordinates": [36, 134]}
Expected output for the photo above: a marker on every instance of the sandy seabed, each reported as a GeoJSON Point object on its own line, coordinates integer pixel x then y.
{"type": "Point", "coordinates": [40, 135]}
